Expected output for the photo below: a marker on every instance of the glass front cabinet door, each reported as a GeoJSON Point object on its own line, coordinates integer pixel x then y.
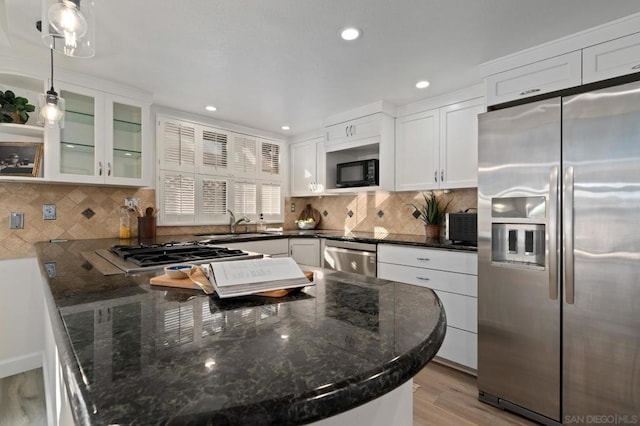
{"type": "Point", "coordinates": [103, 139]}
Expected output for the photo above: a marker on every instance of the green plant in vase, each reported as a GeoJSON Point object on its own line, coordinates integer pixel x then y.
{"type": "Point", "coordinates": [14, 109]}
{"type": "Point", "coordinates": [432, 213]}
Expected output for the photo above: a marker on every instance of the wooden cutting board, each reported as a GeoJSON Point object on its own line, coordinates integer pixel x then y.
{"type": "Point", "coordinates": [167, 281]}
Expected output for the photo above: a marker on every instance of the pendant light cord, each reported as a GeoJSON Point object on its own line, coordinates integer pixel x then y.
{"type": "Point", "coordinates": [52, 70]}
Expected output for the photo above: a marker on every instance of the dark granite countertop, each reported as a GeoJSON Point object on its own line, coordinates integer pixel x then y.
{"type": "Point", "coordinates": [359, 236]}
{"type": "Point", "coordinates": [138, 354]}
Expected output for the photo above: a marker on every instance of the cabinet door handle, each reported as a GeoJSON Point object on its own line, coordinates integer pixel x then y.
{"type": "Point", "coordinates": [435, 176]}
{"type": "Point", "coordinates": [351, 130]}
{"type": "Point", "coordinates": [346, 131]}
{"type": "Point", "coordinates": [99, 168]}
{"type": "Point", "coordinates": [528, 92]}
{"type": "Point", "coordinates": [108, 168]}
{"type": "Point", "coordinates": [99, 316]}
{"type": "Point", "coordinates": [442, 175]}
{"type": "Point", "coordinates": [423, 258]}
{"type": "Point", "coordinates": [636, 67]}
{"type": "Point", "coordinates": [423, 278]}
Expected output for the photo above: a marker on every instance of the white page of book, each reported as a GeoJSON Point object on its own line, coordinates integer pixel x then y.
{"type": "Point", "coordinates": [255, 270]}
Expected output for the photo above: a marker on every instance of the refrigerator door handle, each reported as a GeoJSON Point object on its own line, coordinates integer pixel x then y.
{"type": "Point", "coordinates": [567, 202]}
{"type": "Point", "coordinates": [553, 230]}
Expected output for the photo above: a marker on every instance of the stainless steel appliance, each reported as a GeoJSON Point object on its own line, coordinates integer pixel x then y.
{"type": "Point", "coordinates": [462, 227]}
{"type": "Point", "coordinates": [357, 173]}
{"type": "Point", "coordinates": [559, 257]}
{"type": "Point", "coordinates": [143, 257]}
{"type": "Point", "coordinates": [349, 256]}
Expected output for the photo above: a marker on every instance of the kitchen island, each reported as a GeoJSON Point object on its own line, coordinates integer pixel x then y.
{"type": "Point", "coordinates": [131, 353]}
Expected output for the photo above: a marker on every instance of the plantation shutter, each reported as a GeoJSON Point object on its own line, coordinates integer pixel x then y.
{"type": "Point", "coordinates": [178, 198]}
{"type": "Point", "coordinates": [178, 143]}
{"type": "Point", "coordinates": [244, 199]}
{"type": "Point", "coordinates": [245, 156]}
{"type": "Point", "coordinates": [270, 200]}
{"type": "Point", "coordinates": [270, 158]}
{"type": "Point", "coordinates": [214, 199]}
{"type": "Point", "coordinates": [215, 150]}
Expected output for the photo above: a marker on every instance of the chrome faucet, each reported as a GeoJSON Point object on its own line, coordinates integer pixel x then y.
{"type": "Point", "coordinates": [233, 222]}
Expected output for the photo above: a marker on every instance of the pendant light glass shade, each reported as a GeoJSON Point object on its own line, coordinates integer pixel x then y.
{"type": "Point", "coordinates": [68, 27]}
{"type": "Point", "coordinates": [51, 109]}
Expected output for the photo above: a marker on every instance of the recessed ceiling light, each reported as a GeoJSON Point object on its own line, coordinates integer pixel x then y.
{"type": "Point", "coordinates": [285, 128]}
{"type": "Point", "coordinates": [210, 108]}
{"type": "Point", "coordinates": [350, 33]}
{"type": "Point", "coordinates": [422, 84]}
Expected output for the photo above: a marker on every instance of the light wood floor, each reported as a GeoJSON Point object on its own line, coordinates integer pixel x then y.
{"type": "Point", "coordinates": [450, 397]}
{"type": "Point", "coordinates": [444, 397]}
{"type": "Point", "coordinates": [22, 400]}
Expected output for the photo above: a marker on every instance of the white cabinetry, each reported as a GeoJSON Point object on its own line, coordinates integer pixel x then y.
{"type": "Point", "coordinates": [274, 248]}
{"type": "Point", "coordinates": [305, 251]}
{"type": "Point", "coordinates": [104, 139]}
{"type": "Point", "coordinates": [306, 169]}
{"type": "Point", "coordinates": [534, 79]}
{"type": "Point", "coordinates": [453, 276]}
{"type": "Point", "coordinates": [438, 148]}
{"type": "Point", "coordinates": [205, 171]}
{"type": "Point", "coordinates": [611, 59]}
{"type": "Point", "coordinates": [367, 137]}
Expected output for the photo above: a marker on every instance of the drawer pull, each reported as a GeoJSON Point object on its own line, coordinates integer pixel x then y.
{"type": "Point", "coordinates": [422, 258]}
{"type": "Point", "coordinates": [636, 67]}
{"type": "Point", "coordinates": [423, 278]}
{"type": "Point", "coordinates": [528, 92]}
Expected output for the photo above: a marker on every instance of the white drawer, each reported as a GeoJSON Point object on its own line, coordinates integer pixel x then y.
{"type": "Point", "coordinates": [445, 260]}
{"type": "Point", "coordinates": [460, 346]}
{"type": "Point", "coordinates": [270, 247]}
{"type": "Point", "coordinates": [438, 280]}
{"type": "Point", "coordinates": [462, 311]}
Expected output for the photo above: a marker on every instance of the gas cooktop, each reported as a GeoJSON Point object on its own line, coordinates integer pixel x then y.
{"type": "Point", "coordinates": [145, 257]}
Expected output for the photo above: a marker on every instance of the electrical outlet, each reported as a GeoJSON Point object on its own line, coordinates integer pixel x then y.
{"type": "Point", "coordinates": [16, 220]}
{"type": "Point", "coordinates": [293, 207]}
{"type": "Point", "coordinates": [49, 212]}
{"type": "Point", "coordinates": [132, 203]}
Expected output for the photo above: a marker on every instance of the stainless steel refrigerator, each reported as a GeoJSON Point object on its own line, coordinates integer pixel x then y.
{"type": "Point", "coordinates": [559, 258]}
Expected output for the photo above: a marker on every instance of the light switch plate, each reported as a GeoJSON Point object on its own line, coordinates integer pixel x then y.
{"type": "Point", "coordinates": [49, 212]}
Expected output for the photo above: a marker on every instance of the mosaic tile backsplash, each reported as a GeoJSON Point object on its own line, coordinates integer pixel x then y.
{"type": "Point", "coordinates": [380, 211]}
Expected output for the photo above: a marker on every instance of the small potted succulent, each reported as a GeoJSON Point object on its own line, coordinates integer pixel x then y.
{"type": "Point", "coordinates": [432, 213]}
{"type": "Point", "coordinates": [14, 109]}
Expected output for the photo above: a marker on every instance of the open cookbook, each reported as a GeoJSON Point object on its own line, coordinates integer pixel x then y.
{"type": "Point", "coordinates": [251, 276]}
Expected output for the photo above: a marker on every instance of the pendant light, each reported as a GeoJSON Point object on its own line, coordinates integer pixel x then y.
{"type": "Point", "coordinates": [71, 22]}
{"type": "Point", "coordinates": [51, 105]}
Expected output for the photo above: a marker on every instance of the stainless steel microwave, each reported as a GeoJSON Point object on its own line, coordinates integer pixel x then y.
{"type": "Point", "coordinates": [357, 173]}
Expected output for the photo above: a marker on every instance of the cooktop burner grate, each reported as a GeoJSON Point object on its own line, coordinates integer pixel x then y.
{"type": "Point", "coordinates": [161, 254]}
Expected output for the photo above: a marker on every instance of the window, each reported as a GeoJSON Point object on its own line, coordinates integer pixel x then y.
{"type": "Point", "coordinates": [178, 145]}
{"type": "Point", "coordinates": [178, 197]}
{"type": "Point", "coordinates": [245, 155]}
{"type": "Point", "coordinates": [270, 155]}
{"type": "Point", "coordinates": [244, 199]}
{"type": "Point", "coordinates": [271, 201]}
{"type": "Point", "coordinates": [215, 149]}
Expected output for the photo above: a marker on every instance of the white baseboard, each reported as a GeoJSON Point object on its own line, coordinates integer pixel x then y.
{"type": "Point", "coordinates": [20, 364]}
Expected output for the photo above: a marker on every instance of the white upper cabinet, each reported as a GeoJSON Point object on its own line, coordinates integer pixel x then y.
{"type": "Point", "coordinates": [360, 128]}
{"type": "Point", "coordinates": [418, 151]}
{"type": "Point", "coordinates": [545, 76]}
{"type": "Point", "coordinates": [438, 148]}
{"type": "Point", "coordinates": [104, 139]}
{"type": "Point", "coordinates": [305, 168]}
{"type": "Point", "coordinates": [611, 59]}
{"type": "Point", "coordinates": [459, 144]}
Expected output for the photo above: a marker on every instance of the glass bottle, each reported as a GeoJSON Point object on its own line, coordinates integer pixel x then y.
{"type": "Point", "coordinates": [124, 231]}
{"type": "Point", "coordinates": [262, 225]}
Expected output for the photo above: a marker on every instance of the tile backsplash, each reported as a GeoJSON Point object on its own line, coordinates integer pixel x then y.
{"type": "Point", "coordinates": [378, 211]}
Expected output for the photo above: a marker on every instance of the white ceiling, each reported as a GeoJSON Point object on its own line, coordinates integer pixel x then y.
{"type": "Point", "coordinates": [265, 63]}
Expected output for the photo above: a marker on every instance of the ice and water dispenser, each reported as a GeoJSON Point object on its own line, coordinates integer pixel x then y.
{"type": "Point", "coordinates": [518, 231]}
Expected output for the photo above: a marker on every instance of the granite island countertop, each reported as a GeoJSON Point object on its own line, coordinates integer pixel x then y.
{"type": "Point", "coordinates": [137, 354]}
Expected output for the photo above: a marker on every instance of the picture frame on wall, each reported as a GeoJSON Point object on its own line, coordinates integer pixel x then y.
{"type": "Point", "coordinates": [20, 158]}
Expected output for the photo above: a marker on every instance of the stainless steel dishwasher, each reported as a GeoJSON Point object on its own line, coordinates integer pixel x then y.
{"type": "Point", "coordinates": [348, 256]}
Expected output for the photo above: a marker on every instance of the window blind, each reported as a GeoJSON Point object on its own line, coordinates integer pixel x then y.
{"type": "Point", "coordinates": [244, 198]}
{"type": "Point", "coordinates": [270, 155]}
{"type": "Point", "coordinates": [215, 149]}
{"type": "Point", "coordinates": [270, 199]}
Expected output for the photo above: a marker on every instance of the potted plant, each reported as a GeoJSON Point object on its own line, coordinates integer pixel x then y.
{"type": "Point", "coordinates": [14, 109]}
{"type": "Point", "coordinates": [432, 213]}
